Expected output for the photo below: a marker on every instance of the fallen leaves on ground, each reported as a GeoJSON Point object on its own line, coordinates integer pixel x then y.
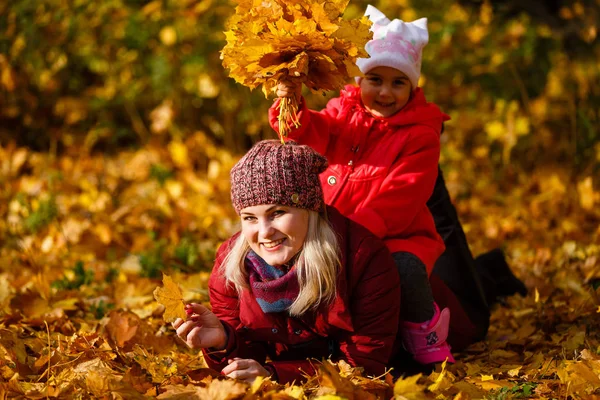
{"type": "Point", "coordinates": [85, 239]}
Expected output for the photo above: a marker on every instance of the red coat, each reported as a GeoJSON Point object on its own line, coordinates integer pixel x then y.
{"type": "Point", "coordinates": [361, 323]}
{"type": "Point", "coordinates": [381, 170]}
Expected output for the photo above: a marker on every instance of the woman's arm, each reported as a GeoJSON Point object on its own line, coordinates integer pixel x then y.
{"type": "Point", "coordinates": [225, 304]}
{"type": "Point", "coordinates": [374, 286]}
{"type": "Point", "coordinates": [202, 328]}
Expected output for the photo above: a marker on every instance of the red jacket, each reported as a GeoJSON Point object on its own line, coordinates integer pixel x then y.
{"type": "Point", "coordinates": [361, 323]}
{"type": "Point", "coordinates": [381, 170]}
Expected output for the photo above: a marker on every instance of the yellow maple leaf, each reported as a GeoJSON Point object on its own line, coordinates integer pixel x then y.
{"type": "Point", "coordinates": [408, 385]}
{"type": "Point", "coordinates": [296, 392]}
{"type": "Point", "coordinates": [122, 326]}
{"type": "Point", "coordinates": [6, 294]}
{"type": "Point", "coordinates": [227, 389]}
{"type": "Point", "coordinates": [515, 371]}
{"type": "Point", "coordinates": [442, 381]}
{"type": "Point", "coordinates": [171, 297]}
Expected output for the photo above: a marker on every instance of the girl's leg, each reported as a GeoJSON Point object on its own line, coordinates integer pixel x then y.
{"type": "Point", "coordinates": [497, 278]}
{"type": "Point", "coordinates": [468, 324]}
{"type": "Point", "coordinates": [465, 285]}
{"type": "Point", "coordinates": [455, 266]}
{"type": "Point", "coordinates": [417, 298]}
{"type": "Point", "coordinates": [455, 285]}
{"type": "Point", "coordinates": [424, 326]}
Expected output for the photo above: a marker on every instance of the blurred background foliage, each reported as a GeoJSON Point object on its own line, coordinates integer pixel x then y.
{"type": "Point", "coordinates": [141, 122]}
{"type": "Point", "coordinates": [520, 79]}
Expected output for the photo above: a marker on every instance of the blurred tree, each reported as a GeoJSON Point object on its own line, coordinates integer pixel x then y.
{"type": "Point", "coordinates": [521, 79]}
{"type": "Point", "coordinates": [575, 22]}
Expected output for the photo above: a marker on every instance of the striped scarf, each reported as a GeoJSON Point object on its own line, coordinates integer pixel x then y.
{"type": "Point", "coordinates": [274, 289]}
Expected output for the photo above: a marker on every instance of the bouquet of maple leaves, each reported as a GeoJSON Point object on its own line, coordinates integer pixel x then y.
{"type": "Point", "coordinates": [304, 42]}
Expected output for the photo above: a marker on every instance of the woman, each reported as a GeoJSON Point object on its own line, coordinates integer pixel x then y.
{"type": "Point", "coordinates": [299, 282]}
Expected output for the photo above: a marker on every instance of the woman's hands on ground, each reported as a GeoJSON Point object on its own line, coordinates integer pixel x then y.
{"type": "Point", "coordinates": [202, 328]}
{"type": "Point", "coordinates": [244, 369]}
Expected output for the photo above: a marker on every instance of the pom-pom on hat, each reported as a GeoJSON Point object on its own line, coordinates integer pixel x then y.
{"type": "Point", "coordinates": [276, 173]}
{"type": "Point", "coordinates": [396, 44]}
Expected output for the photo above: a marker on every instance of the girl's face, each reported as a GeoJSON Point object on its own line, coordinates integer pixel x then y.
{"type": "Point", "coordinates": [385, 91]}
{"type": "Point", "coordinates": [276, 233]}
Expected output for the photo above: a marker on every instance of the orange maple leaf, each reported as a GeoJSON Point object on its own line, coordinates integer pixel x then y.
{"type": "Point", "coordinates": [171, 297]}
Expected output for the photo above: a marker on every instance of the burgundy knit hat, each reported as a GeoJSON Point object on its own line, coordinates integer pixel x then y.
{"type": "Point", "coordinates": [276, 173]}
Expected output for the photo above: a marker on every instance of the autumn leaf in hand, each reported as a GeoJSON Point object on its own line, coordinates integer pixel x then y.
{"type": "Point", "coordinates": [305, 42]}
{"type": "Point", "coordinates": [171, 297]}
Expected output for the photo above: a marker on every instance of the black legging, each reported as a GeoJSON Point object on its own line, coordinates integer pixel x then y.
{"type": "Point", "coordinates": [455, 280]}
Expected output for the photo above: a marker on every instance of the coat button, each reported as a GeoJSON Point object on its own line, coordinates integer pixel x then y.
{"type": "Point", "coordinates": [274, 330]}
{"type": "Point", "coordinates": [332, 180]}
{"type": "Point", "coordinates": [298, 331]}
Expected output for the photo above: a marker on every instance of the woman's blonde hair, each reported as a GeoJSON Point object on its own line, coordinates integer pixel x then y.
{"type": "Point", "coordinates": [317, 265]}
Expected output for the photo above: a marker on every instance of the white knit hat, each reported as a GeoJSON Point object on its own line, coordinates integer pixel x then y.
{"type": "Point", "coordinates": [396, 44]}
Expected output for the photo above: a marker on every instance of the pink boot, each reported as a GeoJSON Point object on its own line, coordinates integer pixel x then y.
{"type": "Point", "coordinates": [426, 341]}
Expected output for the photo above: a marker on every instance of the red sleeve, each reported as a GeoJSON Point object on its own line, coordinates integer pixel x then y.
{"type": "Point", "coordinates": [224, 298]}
{"type": "Point", "coordinates": [316, 128]}
{"type": "Point", "coordinates": [406, 189]}
{"type": "Point", "coordinates": [375, 309]}
{"type": "Point", "coordinates": [225, 305]}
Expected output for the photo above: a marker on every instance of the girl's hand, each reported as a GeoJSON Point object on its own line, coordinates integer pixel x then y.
{"type": "Point", "coordinates": [245, 369]}
{"type": "Point", "coordinates": [286, 88]}
{"type": "Point", "coordinates": [202, 328]}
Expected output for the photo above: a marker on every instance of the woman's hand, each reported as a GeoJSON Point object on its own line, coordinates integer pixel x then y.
{"type": "Point", "coordinates": [245, 369]}
{"type": "Point", "coordinates": [202, 328]}
{"type": "Point", "coordinates": [287, 88]}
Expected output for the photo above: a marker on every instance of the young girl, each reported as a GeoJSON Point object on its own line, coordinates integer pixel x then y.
{"type": "Point", "coordinates": [381, 139]}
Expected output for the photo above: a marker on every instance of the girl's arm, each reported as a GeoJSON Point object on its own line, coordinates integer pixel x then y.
{"type": "Point", "coordinates": [315, 128]}
{"type": "Point", "coordinates": [375, 308]}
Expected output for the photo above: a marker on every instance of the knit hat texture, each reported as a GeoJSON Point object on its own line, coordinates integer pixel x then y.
{"type": "Point", "coordinates": [276, 173]}
{"type": "Point", "coordinates": [396, 44]}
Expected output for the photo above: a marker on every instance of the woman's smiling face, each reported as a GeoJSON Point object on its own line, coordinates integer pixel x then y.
{"type": "Point", "coordinates": [275, 232]}
{"type": "Point", "coordinates": [385, 91]}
